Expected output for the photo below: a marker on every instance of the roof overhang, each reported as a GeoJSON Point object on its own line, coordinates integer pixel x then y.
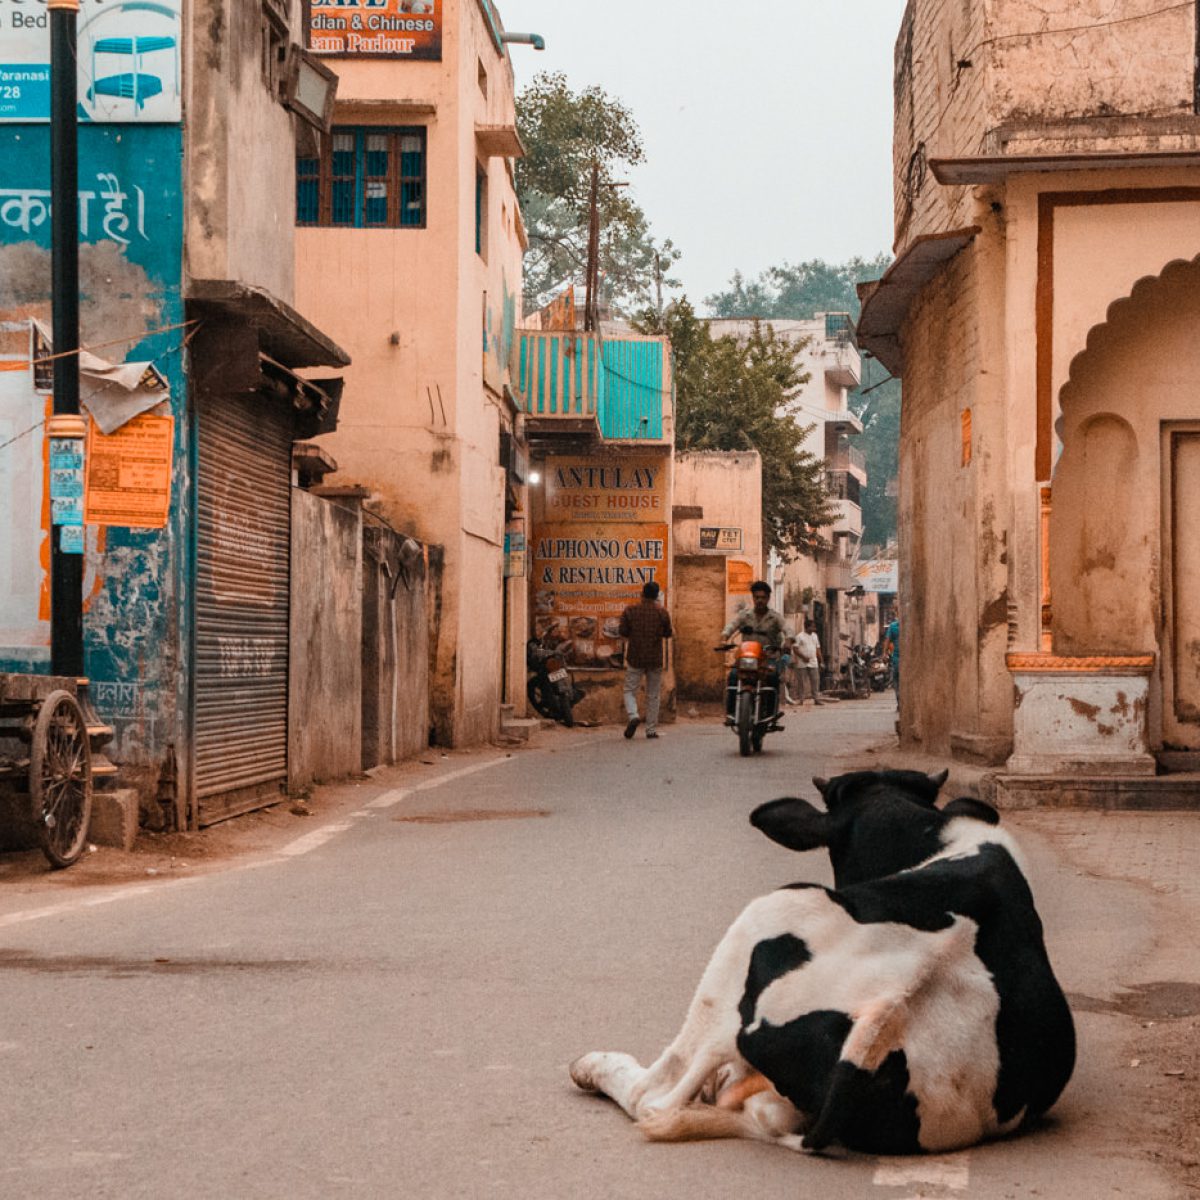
{"type": "Point", "coordinates": [997, 168]}
{"type": "Point", "coordinates": [283, 333]}
{"type": "Point", "coordinates": [885, 303]}
{"type": "Point", "coordinates": [499, 141]}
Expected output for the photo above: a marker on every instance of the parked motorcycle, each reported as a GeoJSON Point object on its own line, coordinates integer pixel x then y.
{"type": "Point", "coordinates": [879, 672]}
{"type": "Point", "coordinates": [550, 688]}
{"type": "Point", "coordinates": [756, 693]}
{"type": "Point", "coordinates": [856, 683]}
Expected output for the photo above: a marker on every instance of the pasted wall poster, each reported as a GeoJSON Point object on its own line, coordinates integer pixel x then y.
{"type": "Point", "coordinates": [601, 532]}
{"type": "Point", "coordinates": [131, 310]}
{"type": "Point", "coordinates": [129, 54]}
{"type": "Point", "coordinates": [374, 28]}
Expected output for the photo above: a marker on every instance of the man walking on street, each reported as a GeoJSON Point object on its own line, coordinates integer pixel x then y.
{"type": "Point", "coordinates": [644, 626]}
{"type": "Point", "coordinates": [891, 647]}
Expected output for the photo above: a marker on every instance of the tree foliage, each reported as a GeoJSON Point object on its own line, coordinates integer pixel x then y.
{"type": "Point", "coordinates": [564, 133]}
{"type": "Point", "coordinates": [733, 394]}
{"type": "Point", "coordinates": [798, 291]}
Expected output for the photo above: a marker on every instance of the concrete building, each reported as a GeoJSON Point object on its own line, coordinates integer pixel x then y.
{"type": "Point", "coordinates": [1041, 310]}
{"type": "Point", "coordinates": [185, 518]}
{"type": "Point", "coordinates": [821, 586]}
{"type": "Point", "coordinates": [408, 248]}
{"type": "Point", "coordinates": [717, 525]}
{"type": "Point", "coordinates": [599, 416]}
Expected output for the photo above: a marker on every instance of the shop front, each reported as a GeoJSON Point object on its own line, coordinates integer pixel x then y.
{"type": "Point", "coordinates": [601, 531]}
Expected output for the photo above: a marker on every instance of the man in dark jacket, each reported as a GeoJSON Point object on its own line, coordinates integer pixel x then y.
{"type": "Point", "coordinates": [644, 626]}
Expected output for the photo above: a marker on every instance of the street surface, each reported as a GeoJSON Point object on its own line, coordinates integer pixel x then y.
{"type": "Point", "coordinates": [385, 1003]}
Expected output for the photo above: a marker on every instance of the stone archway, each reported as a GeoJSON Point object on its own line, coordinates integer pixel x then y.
{"type": "Point", "coordinates": [1121, 526]}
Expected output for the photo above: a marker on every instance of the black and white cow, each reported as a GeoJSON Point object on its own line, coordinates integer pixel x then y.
{"type": "Point", "coordinates": [911, 1007]}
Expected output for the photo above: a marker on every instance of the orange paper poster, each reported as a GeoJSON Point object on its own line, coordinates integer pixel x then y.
{"type": "Point", "coordinates": [128, 473]}
{"type": "Point", "coordinates": [375, 28]}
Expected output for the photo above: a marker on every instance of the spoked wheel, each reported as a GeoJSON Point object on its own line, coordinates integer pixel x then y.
{"type": "Point", "coordinates": [60, 778]}
{"type": "Point", "coordinates": [745, 724]}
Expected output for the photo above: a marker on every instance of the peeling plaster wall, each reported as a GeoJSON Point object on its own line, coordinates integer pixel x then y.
{"type": "Point", "coordinates": [325, 661]}
{"type": "Point", "coordinates": [130, 268]}
{"type": "Point", "coordinates": [988, 77]}
{"type": "Point", "coordinates": [241, 171]}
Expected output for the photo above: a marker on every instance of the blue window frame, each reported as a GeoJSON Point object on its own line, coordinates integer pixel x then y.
{"type": "Point", "coordinates": [366, 177]}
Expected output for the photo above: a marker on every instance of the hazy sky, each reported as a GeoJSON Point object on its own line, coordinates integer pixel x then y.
{"type": "Point", "coordinates": [767, 123]}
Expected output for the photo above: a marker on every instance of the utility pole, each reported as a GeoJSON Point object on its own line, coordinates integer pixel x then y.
{"type": "Point", "coordinates": [591, 307]}
{"type": "Point", "coordinates": [66, 427]}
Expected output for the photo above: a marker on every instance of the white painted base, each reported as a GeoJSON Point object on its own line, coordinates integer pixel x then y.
{"type": "Point", "coordinates": [1080, 723]}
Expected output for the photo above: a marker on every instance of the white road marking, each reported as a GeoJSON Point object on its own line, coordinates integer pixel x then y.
{"type": "Point", "coordinates": [951, 1174]}
{"type": "Point", "coordinates": [310, 841]}
{"type": "Point", "coordinates": [302, 845]}
{"type": "Point", "coordinates": [394, 797]}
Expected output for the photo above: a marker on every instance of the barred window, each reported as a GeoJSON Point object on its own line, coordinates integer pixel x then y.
{"type": "Point", "coordinates": [369, 177]}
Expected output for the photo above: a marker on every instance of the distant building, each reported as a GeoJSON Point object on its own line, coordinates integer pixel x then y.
{"type": "Point", "coordinates": [1042, 311]}
{"type": "Point", "coordinates": [821, 586]}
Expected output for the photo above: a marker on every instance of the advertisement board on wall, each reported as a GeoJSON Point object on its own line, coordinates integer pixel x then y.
{"type": "Point", "coordinates": [374, 28]}
{"type": "Point", "coordinates": [878, 575]}
{"type": "Point", "coordinates": [129, 54]}
{"type": "Point", "coordinates": [602, 536]}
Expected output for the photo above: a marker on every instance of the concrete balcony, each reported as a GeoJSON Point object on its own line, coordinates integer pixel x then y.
{"type": "Point", "coordinates": [842, 362]}
{"type": "Point", "coordinates": [849, 459]}
{"type": "Point", "coordinates": [845, 499]}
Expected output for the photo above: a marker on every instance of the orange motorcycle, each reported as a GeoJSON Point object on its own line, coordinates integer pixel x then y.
{"type": "Point", "coordinates": [753, 689]}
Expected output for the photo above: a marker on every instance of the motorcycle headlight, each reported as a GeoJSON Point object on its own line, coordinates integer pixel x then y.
{"type": "Point", "coordinates": [747, 664]}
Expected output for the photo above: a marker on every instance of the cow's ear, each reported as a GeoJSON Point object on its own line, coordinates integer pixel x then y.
{"type": "Point", "coordinates": [964, 806]}
{"type": "Point", "coordinates": [940, 778]}
{"type": "Point", "coordinates": [793, 823]}
{"type": "Point", "coordinates": [822, 785]}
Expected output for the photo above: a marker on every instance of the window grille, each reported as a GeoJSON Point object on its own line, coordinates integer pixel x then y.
{"type": "Point", "coordinates": [370, 177]}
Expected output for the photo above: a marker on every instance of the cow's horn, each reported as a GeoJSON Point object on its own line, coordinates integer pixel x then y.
{"type": "Point", "coordinates": [820, 784]}
{"type": "Point", "coordinates": [940, 778]}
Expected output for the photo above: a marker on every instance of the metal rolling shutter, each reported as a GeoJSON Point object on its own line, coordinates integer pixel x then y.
{"type": "Point", "coordinates": [242, 604]}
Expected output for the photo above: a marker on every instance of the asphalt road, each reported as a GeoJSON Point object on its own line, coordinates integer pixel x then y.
{"type": "Point", "coordinates": [387, 1007]}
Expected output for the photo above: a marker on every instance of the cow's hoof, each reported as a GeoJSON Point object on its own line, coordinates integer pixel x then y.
{"type": "Point", "coordinates": [582, 1072]}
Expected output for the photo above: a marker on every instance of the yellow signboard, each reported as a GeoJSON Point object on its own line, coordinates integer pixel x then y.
{"type": "Point", "coordinates": [128, 479]}
{"type": "Point", "coordinates": [585, 576]}
{"type": "Point", "coordinates": [614, 489]}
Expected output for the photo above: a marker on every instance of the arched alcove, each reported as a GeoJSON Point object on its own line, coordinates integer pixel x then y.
{"type": "Point", "coordinates": [1140, 368]}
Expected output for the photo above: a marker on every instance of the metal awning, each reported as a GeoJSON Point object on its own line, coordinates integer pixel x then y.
{"type": "Point", "coordinates": [995, 168]}
{"type": "Point", "coordinates": [282, 332]}
{"type": "Point", "coordinates": [885, 302]}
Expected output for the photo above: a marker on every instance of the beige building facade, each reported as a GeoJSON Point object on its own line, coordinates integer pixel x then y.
{"type": "Point", "coordinates": [1047, 182]}
{"type": "Point", "coordinates": [409, 249]}
{"type": "Point", "coordinates": [821, 586]}
{"type": "Point", "coordinates": [718, 554]}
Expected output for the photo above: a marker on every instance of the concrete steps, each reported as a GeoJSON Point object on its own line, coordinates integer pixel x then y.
{"type": "Point", "coordinates": [1146, 793]}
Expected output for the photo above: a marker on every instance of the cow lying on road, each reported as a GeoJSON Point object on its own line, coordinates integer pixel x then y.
{"type": "Point", "coordinates": [911, 1007]}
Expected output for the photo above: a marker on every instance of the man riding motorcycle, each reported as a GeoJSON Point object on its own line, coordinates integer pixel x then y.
{"type": "Point", "coordinates": [765, 625]}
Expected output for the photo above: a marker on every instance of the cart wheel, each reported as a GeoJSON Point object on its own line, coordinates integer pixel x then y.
{"type": "Point", "coordinates": [60, 778]}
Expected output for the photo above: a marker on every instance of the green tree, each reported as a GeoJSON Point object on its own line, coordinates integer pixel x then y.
{"type": "Point", "coordinates": [564, 133]}
{"type": "Point", "coordinates": [732, 394]}
{"type": "Point", "coordinates": [798, 291]}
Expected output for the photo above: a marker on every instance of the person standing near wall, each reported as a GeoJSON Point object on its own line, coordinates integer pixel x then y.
{"type": "Point", "coordinates": [808, 662]}
{"type": "Point", "coordinates": [645, 626]}
{"type": "Point", "coordinates": [891, 647]}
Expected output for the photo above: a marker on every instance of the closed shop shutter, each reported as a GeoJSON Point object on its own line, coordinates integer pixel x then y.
{"type": "Point", "coordinates": [242, 604]}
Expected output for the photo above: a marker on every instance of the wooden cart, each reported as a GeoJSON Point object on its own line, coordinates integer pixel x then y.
{"type": "Point", "coordinates": [46, 761]}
